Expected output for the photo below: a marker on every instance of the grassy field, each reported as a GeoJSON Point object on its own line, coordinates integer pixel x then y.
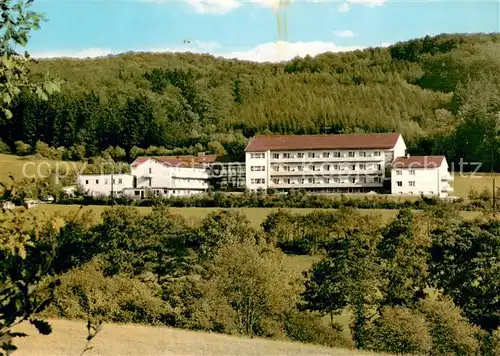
{"type": "Point", "coordinates": [464, 183]}
{"type": "Point", "coordinates": [69, 337]}
{"type": "Point", "coordinates": [194, 215]}
{"type": "Point", "coordinates": [32, 167]}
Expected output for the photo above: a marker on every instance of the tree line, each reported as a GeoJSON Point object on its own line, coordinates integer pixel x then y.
{"type": "Point", "coordinates": [423, 283]}
{"type": "Point", "coordinates": [441, 93]}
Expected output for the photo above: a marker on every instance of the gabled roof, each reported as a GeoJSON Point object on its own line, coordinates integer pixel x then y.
{"type": "Point", "coordinates": [319, 142]}
{"type": "Point", "coordinates": [419, 162]}
{"type": "Point", "coordinates": [178, 161]}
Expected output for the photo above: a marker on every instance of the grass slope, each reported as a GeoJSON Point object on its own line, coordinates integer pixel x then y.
{"type": "Point", "coordinates": [32, 167]}
{"type": "Point", "coordinates": [194, 215]}
{"type": "Point", "coordinates": [68, 338]}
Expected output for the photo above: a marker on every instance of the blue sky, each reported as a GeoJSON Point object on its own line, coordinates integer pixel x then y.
{"type": "Point", "coordinates": [248, 29]}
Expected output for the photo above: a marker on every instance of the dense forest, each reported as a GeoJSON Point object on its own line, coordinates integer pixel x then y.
{"type": "Point", "coordinates": [442, 93]}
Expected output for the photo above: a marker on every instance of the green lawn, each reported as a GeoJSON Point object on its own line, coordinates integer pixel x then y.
{"type": "Point", "coordinates": [464, 183]}
{"type": "Point", "coordinates": [32, 167]}
{"type": "Point", "coordinates": [194, 215]}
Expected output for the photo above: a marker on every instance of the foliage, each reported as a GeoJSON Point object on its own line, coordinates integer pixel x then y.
{"type": "Point", "coordinates": [466, 264]}
{"type": "Point", "coordinates": [401, 330]}
{"type": "Point", "coordinates": [22, 268]}
{"type": "Point", "coordinates": [451, 332]}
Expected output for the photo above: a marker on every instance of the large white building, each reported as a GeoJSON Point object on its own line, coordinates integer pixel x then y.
{"type": "Point", "coordinates": [421, 175]}
{"type": "Point", "coordinates": [331, 163]}
{"type": "Point", "coordinates": [166, 176]}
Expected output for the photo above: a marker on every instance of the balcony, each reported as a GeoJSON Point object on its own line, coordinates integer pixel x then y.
{"type": "Point", "coordinates": [297, 185]}
{"type": "Point", "coordinates": [319, 159]}
{"type": "Point", "coordinates": [295, 173]}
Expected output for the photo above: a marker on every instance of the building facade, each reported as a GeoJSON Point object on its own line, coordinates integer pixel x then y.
{"type": "Point", "coordinates": [334, 163]}
{"type": "Point", "coordinates": [166, 176]}
{"type": "Point", "coordinates": [421, 175]}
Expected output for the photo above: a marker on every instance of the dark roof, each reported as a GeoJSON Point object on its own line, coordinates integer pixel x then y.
{"type": "Point", "coordinates": [418, 162]}
{"type": "Point", "coordinates": [179, 161]}
{"type": "Point", "coordinates": [318, 142]}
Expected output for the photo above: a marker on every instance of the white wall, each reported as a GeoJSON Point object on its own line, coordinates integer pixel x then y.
{"type": "Point", "coordinates": [428, 181]}
{"type": "Point", "coordinates": [253, 176]}
{"type": "Point", "coordinates": [97, 185]}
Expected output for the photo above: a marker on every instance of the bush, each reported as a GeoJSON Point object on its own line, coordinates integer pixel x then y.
{"type": "Point", "coordinates": [450, 330]}
{"type": "Point", "coordinates": [22, 149]}
{"type": "Point", "coordinates": [400, 330]}
{"type": "Point", "coordinates": [86, 292]}
{"type": "Point", "coordinates": [306, 327]}
{"type": "Point", "coordinates": [4, 148]}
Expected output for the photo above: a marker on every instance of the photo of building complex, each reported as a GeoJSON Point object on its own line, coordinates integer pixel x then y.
{"type": "Point", "coordinates": [347, 163]}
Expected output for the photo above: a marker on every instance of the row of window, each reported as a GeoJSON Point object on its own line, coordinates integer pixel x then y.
{"type": "Point", "coordinates": [258, 168]}
{"type": "Point", "coordinates": [336, 154]}
{"type": "Point", "coordinates": [106, 181]}
{"type": "Point", "coordinates": [328, 167]}
{"type": "Point", "coordinates": [257, 155]}
{"type": "Point", "coordinates": [258, 181]}
{"type": "Point", "coordinates": [327, 180]}
{"type": "Point", "coordinates": [400, 172]}
{"type": "Point", "coordinates": [410, 183]}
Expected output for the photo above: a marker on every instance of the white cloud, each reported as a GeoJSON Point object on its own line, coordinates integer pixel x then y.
{"type": "Point", "coordinates": [344, 7]}
{"type": "Point", "coordinates": [345, 33]}
{"type": "Point", "coordinates": [217, 7]}
{"type": "Point", "coordinates": [266, 52]}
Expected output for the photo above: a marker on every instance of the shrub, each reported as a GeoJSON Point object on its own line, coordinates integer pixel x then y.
{"type": "Point", "coordinates": [86, 292]}
{"type": "Point", "coordinates": [400, 330]}
{"type": "Point", "coordinates": [450, 330]}
{"type": "Point", "coordinates": [307, 327]}
{"type": "Point", "coordinates": [4, 148]}
{"type": "Point", "coordinates": [22, 149]}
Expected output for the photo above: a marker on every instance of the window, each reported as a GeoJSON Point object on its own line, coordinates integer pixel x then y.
{"type": "Point", "coordinates": [353, 167]}
{"type": "Point", "coordinates": [363, 154]}
{"type": "Point", "coordinates": [287, 181]}
{"type": "Point", "coordinates": [150, 170]}
{"type": "Point", "coordinates": [276, 155]}
{"type": "Point", "coordinates": [301, 180]}
{"type": "Point", "coordinates": [252, 181]}
{"type": "Point", "coordinates": [399, 172]}
{"type": "Point", "coordinates": [286, 168]}
{"type": "Point", "coordinates": [326, 154]}
{"type": "Point", "coordinates": [327, 167]}
{"type": "Point", "coordinates": [399, 183]}
{"type": "Point", "coordinates": [136, 192]}
{"type": "Point", "coordinates": [257, 168]}
{"type": "Point", "coordinates": [150, 182]}
{"type": "Point", "coordinates": [257, 155]}
{"type": "Point", "coordinates": [310, 180]}
{"type": "Point", "coordinates": [336, 166]}
{"type": "Point", "coordinates": [286, 155]}
{"type": "Point", "coordinates": [276, 168]}
{"type": "Point", "coordinates": [276, 181]}
{"type": "Point", "coordinates": [311, 155]}
{"type": "Point", "coordinates": [379, 167]}
{"type": "Point", "coordinates": [364, 179]}
{"type": "Point", "coordinates": [97, 181]}
{"type": "Point", "coordinates": [336, 180]}
{"type": "Point", "coordinates": [106, 181]}
{"type": "Point", "coordinates": [86, 182]}
{"type": "Point", "coordinates": [312, 168]}
{"type": "Point", "coordinates": [120, 181]}
{"type": "Point", "coordinates": [336, 154]}
{"type": "Point", "coordinates": [353, 180]}
{"type": "Point", "coordinates": [377, 153]}
{"type": "Point", "coordinates": [411, 183]}
{"type": "Point", "coordinates": [412, 172]}
{"type": "Point", "coordinates": [300, 155]}
{"type": "Point", "coordinates": [362, 166]}
{"type": "Point", "coordinates": [300, 168]}
{"type": "Point", "coordinates": [113, 181]}
{"type": "Point", "coordinates": [352, 154]}
{"type": "Point", "coordinates": [327, 180]}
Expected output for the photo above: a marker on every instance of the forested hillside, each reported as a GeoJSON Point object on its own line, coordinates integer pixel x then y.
{"type": "Point", "coordinates": [442, 93]}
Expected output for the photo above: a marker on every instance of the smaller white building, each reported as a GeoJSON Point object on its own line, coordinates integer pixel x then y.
{"type": "Point", "coordinates": [421, 175]}
{"type": "Point", "coordinates": [103, 184]}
